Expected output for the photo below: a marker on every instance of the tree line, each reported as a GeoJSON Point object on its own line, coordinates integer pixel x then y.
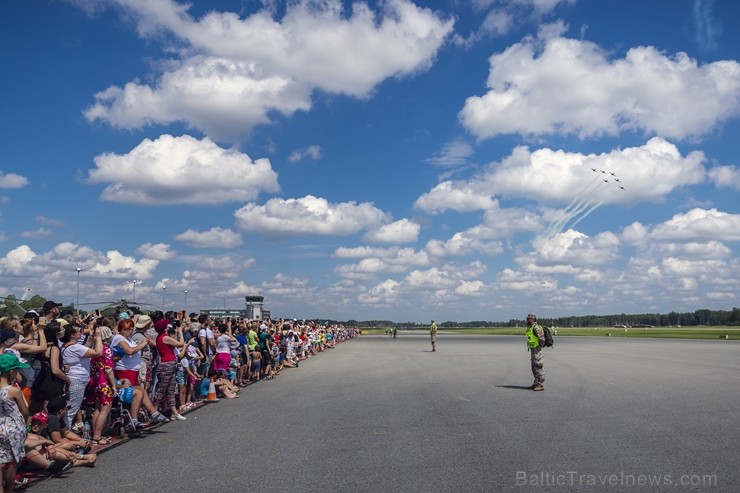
{"type": "Point", "coordinates": [673, 319]}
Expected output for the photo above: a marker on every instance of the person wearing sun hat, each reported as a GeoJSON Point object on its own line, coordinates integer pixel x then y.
{"type": "Point", "coordinates": [13, 415]}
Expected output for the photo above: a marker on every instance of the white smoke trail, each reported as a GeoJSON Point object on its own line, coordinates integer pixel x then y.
{"type": "Point", "coordinates": [568, 211]}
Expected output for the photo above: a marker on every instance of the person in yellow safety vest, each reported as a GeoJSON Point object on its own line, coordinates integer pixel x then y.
{"type": "Point", "coordinates": [433, 333]}
{"type": "Point", "coordinates": [535, 343]}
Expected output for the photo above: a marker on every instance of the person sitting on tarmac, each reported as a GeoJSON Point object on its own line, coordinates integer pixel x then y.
{"type": "Point", "coordinates": [57, 427]}
{"type": "Point", "coordinates": [224, 388]}
{"type": "Point", "coordinates": [44, 454]}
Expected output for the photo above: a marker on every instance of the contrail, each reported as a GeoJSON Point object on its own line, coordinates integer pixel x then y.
{"type": "Point", "coordinates": [586, 214]}
{"type": "Point", "coordinates": [554, 225]}
{"type": "Point", "coordinates": [582, 205]}
{"type": "Point", "coordinates": [592, 209]}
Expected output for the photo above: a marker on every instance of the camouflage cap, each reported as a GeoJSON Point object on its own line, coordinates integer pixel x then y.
{"type": "Point", "coordinates": [532, 315]}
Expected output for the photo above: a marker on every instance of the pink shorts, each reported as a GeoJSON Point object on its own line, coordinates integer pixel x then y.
{"type": "Point", "coordinates": [221, 361]}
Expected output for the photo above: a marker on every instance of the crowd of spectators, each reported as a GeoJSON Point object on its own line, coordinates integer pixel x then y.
{"type": "Point", "coordinates": [62, 376]}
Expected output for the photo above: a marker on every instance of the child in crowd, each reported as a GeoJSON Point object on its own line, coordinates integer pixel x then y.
{"type": "Point", "coordinates": [57, 428]}
{"type": "Point", "coordinates": [185, 377]}
{"type": "Point", "coordinates": [224, 388]}
{"type": "Point", "coordinates": [13, 415]}
{"type": "Point", "coordinates": [44, 454]}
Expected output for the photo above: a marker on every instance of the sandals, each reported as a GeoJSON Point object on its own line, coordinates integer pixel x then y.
{"type": "Point", "coordinates": [101, 441]}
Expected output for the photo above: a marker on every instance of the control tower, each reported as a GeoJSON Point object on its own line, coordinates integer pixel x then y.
{"type": "Point", "coordinates": [254, 307]}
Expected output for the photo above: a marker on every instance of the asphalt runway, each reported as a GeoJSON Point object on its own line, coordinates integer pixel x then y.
{"type": "Point", "coordinates": [379, 414]}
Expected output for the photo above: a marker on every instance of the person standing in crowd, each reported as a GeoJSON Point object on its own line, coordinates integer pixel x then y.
{"type": "Point", "coordinates": [254, 352]}
{"type": "Point", "coordinates": [535, 343]}
{"type": "Point", "coordinates": [76, 357]}
{"type": "Point", "coordinates": [29, 341]}
{"type": "Point", "coordinates": [50, 381]}
{"type": "Point", "coordinates": [13, 415]}
{"type": "Point", "coordinates": [166, 389]}
{"type": "Point", "coordinates": [223, 348]}
{"type": "Point", "coordinates": [433, 333]}
{"type": "Point", "coordinates": [102, 387]}
{"type": "Point", "coordinates": [142, 325]}
{"type": "Point", "coordinates": [51, 312]}
{"type": "Point", "coordinates": [207, 343]}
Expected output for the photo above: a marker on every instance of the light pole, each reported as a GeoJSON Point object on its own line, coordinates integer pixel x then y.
{"type": "Point", "coordinates": [224, 303]}
{"type": "Point", "coordinates": [134, 293]}
{"type": "Point", "coordinates": [186, 300]}
{"type": "Point", "coordinates": [163, 288]}
{"type": "Point", "coordinates": [77, 306]}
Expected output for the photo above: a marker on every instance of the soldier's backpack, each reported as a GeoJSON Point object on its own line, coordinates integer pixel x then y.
{"type": "Point", "coordinates": [548, 336]}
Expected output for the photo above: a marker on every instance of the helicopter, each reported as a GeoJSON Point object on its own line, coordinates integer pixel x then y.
{"type": "Point", "coordinates": [115, 308]}
{"type": "Point", "coordinates": [10, 305]}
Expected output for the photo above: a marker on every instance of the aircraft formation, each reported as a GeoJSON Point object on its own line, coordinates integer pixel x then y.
{"type": "Point", "coordinates": [590, 198]}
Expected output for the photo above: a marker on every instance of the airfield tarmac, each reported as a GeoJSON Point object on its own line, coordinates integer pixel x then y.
{"type": "Point", "coordinates": [379, 414]}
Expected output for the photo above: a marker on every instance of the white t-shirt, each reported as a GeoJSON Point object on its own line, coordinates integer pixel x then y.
{"type": "Point", "coordinates": [222, 344]}
{"type": "Point", "coordinates": [208, 334]}
{"type": "Point", "coordinates": [74, 357]}
{"type": "Point", "coordinates": [128, 362]}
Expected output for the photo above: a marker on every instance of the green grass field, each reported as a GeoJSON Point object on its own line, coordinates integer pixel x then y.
{"type": "Point", "coordinates": [732, 333]}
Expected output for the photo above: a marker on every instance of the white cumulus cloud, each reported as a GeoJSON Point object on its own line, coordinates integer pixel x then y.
{"type": "Point", "coordinates": [12, 180]}
{"type": "Point", "coordinates": [158, 251]}
{"type": "Point", "coordinates": [182, 170]}
{"type": "Point", "coordinates": [646, 173]}
{"type": "Point", "coordinates": [401, 231]}
{"type": "Point", "coordinates": [260, 63]}
{"type": "Point", "coordinates": [537, 87]}
{"type": "Point", "coordinates": [308, 215]}
{"type": "Point", "coordinates": [725, 176]}
{"type": "Point", "coordinates": [213, 238]}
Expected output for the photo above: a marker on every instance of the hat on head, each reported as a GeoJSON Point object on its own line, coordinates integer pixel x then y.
{"type": "Point", "coordinates": [31, 314]}
{"type": "Point", "coordinates": [532, 315]}
{"type": "Point", "coordinates": [123, 316]}
{"type": "Point", "coordinates": [143, 321]}
{"type": "Point", "coordinates": [62, 322]}
{"type": "Point", "coordinates": [40, 416]}
{"type": "Point", "coordinates": [51, 304]}
{"type": "Point", "coordinates": [161, 325]}
{"type": "Point", "coordinates": [56, 404]}
{"type": "Point", "coordinates": [9, 362]}
{"type": "Point", "coordinates": [105, 332]}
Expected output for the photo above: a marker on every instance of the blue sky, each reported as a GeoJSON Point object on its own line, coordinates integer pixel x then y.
{"type": "Point", "coordinates": [383, 160]}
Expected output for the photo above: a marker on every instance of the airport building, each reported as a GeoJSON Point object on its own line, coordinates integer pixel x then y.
{"type": "Point", "coordinates": [254, 310]}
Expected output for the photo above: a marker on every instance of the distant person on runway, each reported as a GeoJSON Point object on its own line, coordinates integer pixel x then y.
{"type": "Point", "coordinates": [535, 343]}
{"type": "Point", "coordinates": [433, 333]}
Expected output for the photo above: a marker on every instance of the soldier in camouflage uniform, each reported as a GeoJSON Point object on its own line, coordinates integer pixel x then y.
{"type": "Point", "coordinates": [535, 343]}
{"type": "Point", "coordinates": [433, 333]}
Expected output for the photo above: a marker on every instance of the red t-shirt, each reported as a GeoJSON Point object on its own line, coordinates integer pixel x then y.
{"type": "Point", "coordinates": [166, 352]}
